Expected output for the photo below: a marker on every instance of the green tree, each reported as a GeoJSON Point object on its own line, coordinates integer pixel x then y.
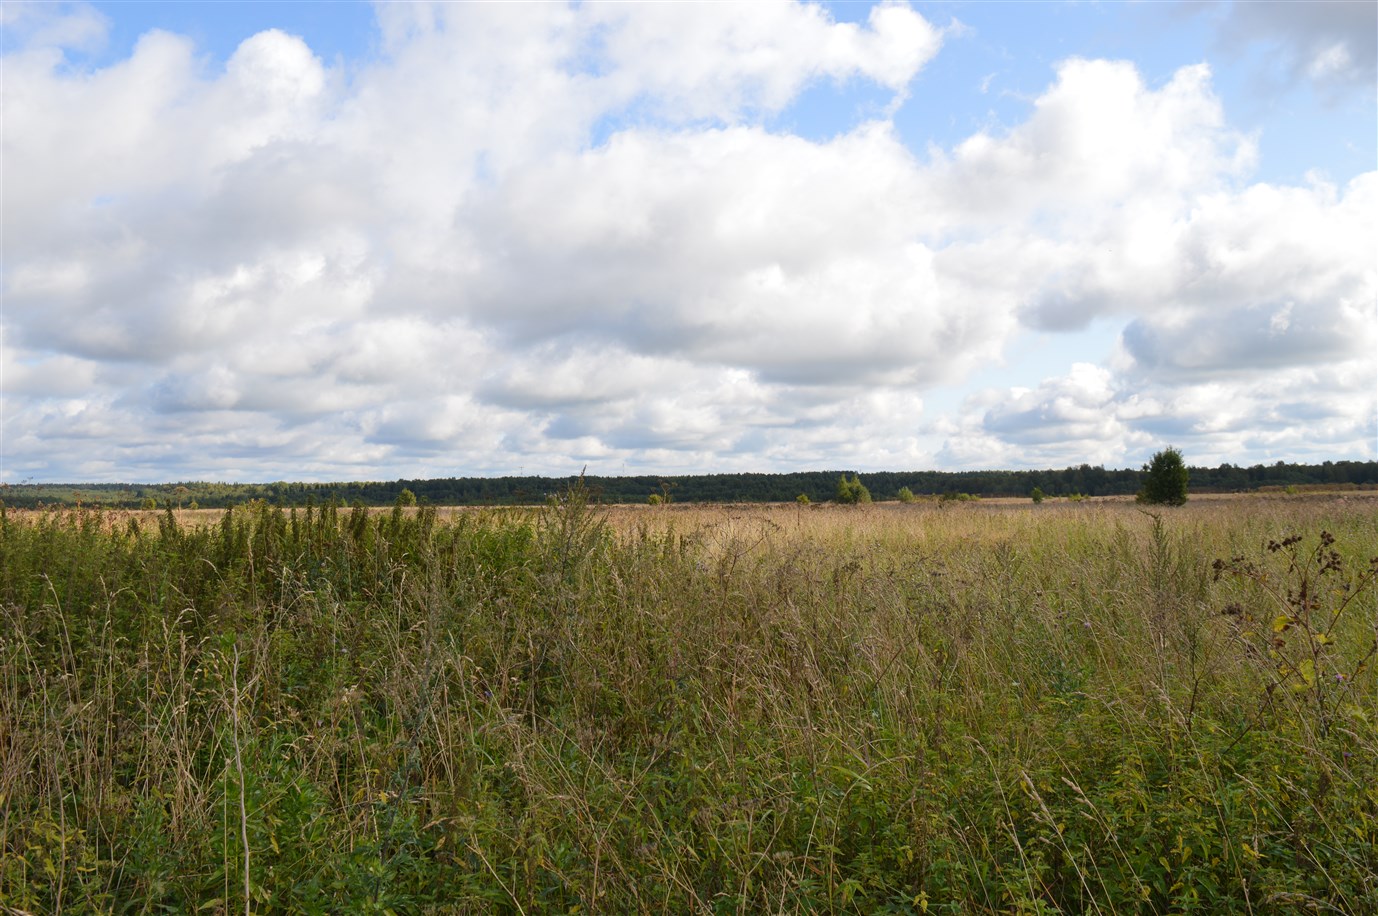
{"type": "Point", "coordinates": [852, 491]}
{"type": "Point", "coordinates": [1165, 479]}
{"type": "Point", "coordinates": [802, 499]}
{"type": "Point", "coordinates": [406, 499]}
{"type": "Point", "coordinates": [905, 495]}
{"type": "Point", "coordinates": [1036, 495]}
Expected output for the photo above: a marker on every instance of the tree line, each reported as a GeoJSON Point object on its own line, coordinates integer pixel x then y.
{"type": "Point", "coordinates": [817, 486]}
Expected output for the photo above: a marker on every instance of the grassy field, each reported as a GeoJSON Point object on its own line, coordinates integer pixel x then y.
{"type": "Point", "coordinates": [966, 708]}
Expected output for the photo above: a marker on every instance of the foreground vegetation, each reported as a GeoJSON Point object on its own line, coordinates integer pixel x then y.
{"type": "Point", "coordinates": [946, 709]}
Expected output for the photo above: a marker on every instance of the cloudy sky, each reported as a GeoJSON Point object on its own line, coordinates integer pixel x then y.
{"type": "Point", "coordinates": [316, 241]}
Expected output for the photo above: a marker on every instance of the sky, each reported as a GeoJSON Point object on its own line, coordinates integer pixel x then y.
{"type": "Point", "coordinates": [342, 241]}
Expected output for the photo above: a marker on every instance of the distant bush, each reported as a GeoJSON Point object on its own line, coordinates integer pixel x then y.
{"type": "Point", "coordinates": [852, 492]}
{"type": "Point", "coordinates": [905, 495]}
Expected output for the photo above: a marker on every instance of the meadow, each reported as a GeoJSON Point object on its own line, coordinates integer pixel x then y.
{"type": "Point", "coordinates": [930, 708]}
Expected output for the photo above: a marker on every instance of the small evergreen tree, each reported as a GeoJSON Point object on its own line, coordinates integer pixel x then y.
{"type": "Point", "coordinates": [1036, 495]}
{"type": "Point", "coordinates": [905, 495]}
{"type": "Point", "coordinates": [851, 492]}
{"type": "Point", "coordinates": [1165, 479]}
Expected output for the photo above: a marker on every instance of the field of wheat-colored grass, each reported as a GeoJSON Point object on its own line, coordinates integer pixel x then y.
{"type": "Point", "coordinates": [989, 707]}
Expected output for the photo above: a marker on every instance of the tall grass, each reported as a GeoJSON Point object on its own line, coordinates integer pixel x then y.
{"type": "Point", "coordinates": [942, 709]}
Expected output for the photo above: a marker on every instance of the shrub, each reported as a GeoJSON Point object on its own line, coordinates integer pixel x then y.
{"type": "Point", "coordinates": [1036, 495]}
{"type": "Point", "coordinates": [905, 495]}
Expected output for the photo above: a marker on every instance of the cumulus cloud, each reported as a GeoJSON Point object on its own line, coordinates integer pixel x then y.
{"type": "Point", "coordinates": [542, 235]}
{"type": "Point", "coordinates": [53, 26]}
{"type": "Point", "coordinates": [1094, 414]}
{"type": "Point", "coordinates": [1263, 343]}
{"type": "Point", "coordinates": [1332, 44]}
{"type": "Point", "coordinates": [690, 66]}
{"type": "Point", "coordinates": [1266, 279]}
{"type": "Point", "coordinates": [736, 247]}
{"type": "Point", "coordinates": [1070, 411]}
{"type": "Point", "coordinates": [1098, 136]}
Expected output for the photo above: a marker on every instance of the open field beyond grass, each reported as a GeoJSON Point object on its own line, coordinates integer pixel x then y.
{"type": "Point", "coordinates": [968, 708]}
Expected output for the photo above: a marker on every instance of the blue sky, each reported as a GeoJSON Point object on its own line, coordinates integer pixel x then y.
{"type": "Point", "coordinates": [253, 241]}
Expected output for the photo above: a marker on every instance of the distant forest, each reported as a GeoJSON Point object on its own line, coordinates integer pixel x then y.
{"type": "Point", "coordinates": [818, 486]}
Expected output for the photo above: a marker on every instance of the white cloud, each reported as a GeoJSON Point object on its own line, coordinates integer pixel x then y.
{"type": "Point", "coordinates": [693, 66]}
{"type": "Point", "coordinates": [53, 26]}
{"type": "Point", "coordinates": [1093, 414]}
{"type": "Point", "coordinates": [1268, 278]}
{"type": "Point", "coordinates": [1099, 136]}
{"type": "Point", "coordinates": [1332, 43]}
{"type": "Point", "coordinates": [1061, 410]}
{"type": "Point", "coordinates": [540, 235]}
{"type": "Point", "coordinates": [737, 247]}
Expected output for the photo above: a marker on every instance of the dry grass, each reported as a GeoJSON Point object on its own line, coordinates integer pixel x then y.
{"type": "Point", "coordinates": [976, 707]}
